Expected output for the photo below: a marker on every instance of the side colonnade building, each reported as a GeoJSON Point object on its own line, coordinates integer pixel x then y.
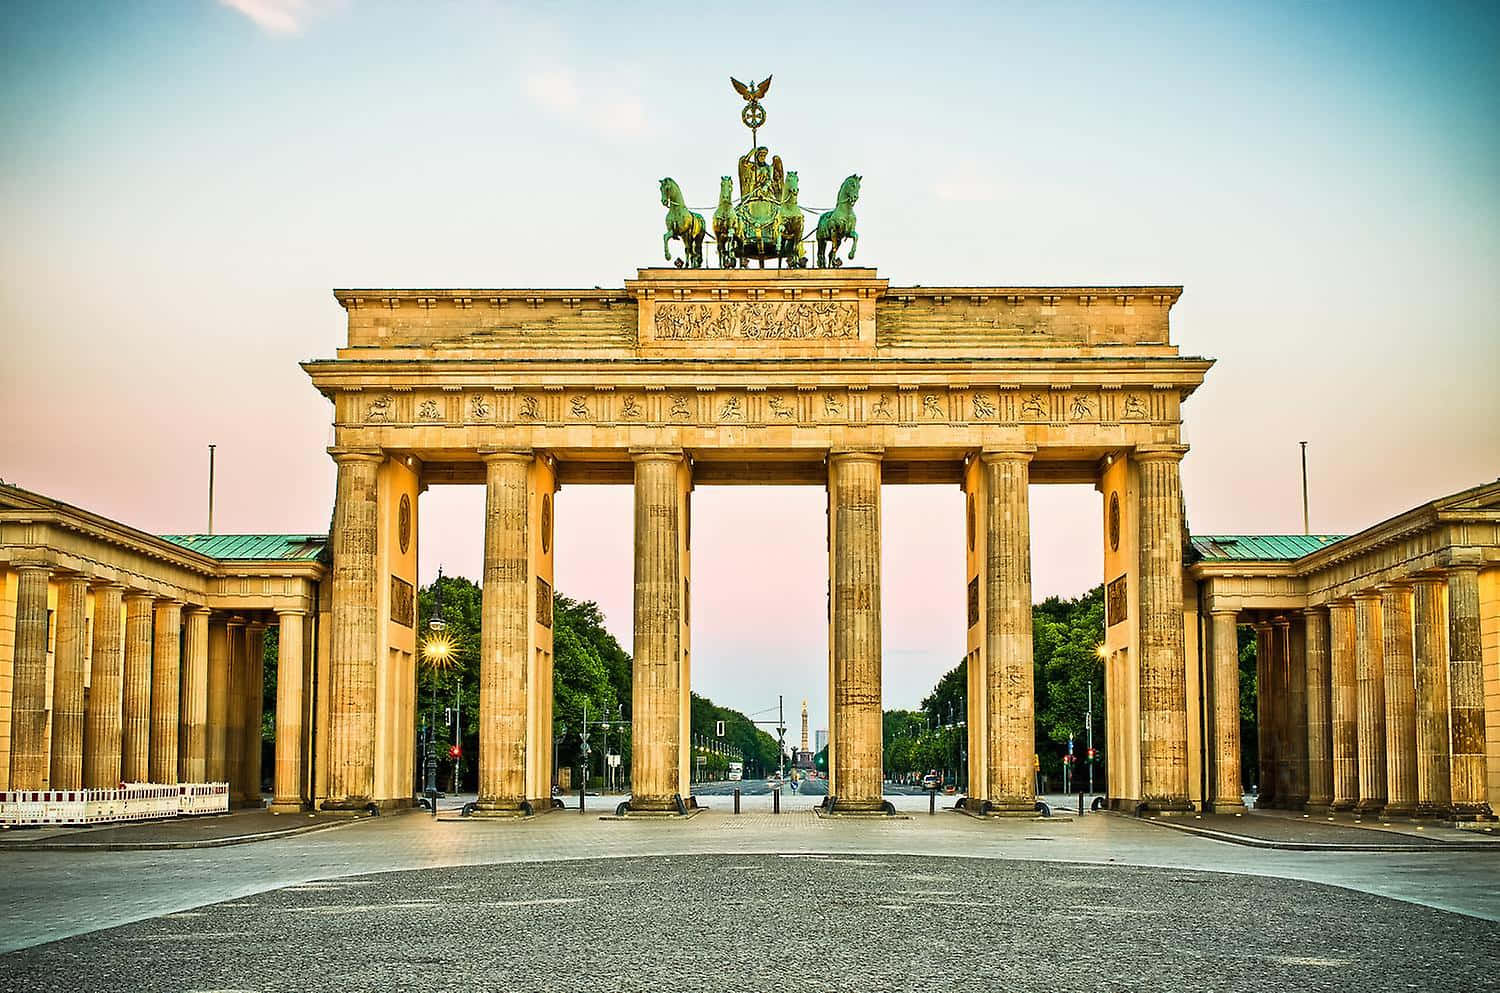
{"type": "Point", "coordinates": [127, 657]}
{"type": "Point", "coordinates": [1378, 663]}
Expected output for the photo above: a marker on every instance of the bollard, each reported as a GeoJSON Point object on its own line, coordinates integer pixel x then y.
{"type": "Point", "coordinates": [581, 787]}
{"type": "Point", "coordinates": [776, 800]}
{"type": "Point", "coordinates": [1080, 805]}
{"type": "Point", "coordinates": [931, 802]}
{"type": "Point", "coordinates": [736, 799]}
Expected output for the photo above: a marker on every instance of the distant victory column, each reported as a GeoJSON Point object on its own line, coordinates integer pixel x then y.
{"type": "Point", "coordinates": [804, 725]}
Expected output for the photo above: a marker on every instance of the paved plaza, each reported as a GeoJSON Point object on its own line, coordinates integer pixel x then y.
{"type": "Point", "coordinates": [757, 900]}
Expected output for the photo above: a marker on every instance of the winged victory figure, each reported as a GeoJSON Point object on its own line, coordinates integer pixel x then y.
{"type": "Point", "coordinates": [754, 91]}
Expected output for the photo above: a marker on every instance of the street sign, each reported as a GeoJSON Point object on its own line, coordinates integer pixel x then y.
{"type": "Point", "coordinates": [721, 729]}
{"type": "Point", "coordinates": [448, 716]}
{"type": "Point", "coordinates": [614, 761]}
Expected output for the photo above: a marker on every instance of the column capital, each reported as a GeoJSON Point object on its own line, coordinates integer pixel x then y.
{"type": "Point", "coordinates": [657, 455]}
{"type": "Point", "coordinates": [1323, 607]}
{"type": "Point", "coordinates": [1370, 594]}
{"type": "Point", "coordinates": [1224, 612]}
{"type": "Point", "coordinates": [1008, 453]}
{"type": "Point", "coordinates": [866, 454]}
{"type": "Point", "coordinates": [33, 567]}
{"type": "Point", "coordinates": [290, 611]}
{"type": "Point", "coordinates": [98, 585]}
{"type": "Point", "coordinates": [235, 621]}
{"type": "Point", "coordinates": [342, 455]}
{"type": "Point", "coordinates": [135, 594]}
{"type": "Point", "coordinates": [256, 625]}
{"type": "Point", "coordinates": [1281, 621]}
{"type": "Point", "coordinates": [1159, 453]}
{"type": "Point", "coordinates": [488, 455]}
{"type": "Point", "coordinates": [1429, 579]}
{"type": "Point", "coordinates": [196, 608]}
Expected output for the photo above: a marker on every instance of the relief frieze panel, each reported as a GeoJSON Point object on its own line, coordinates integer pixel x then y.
{"type": "Point", "coordinates": [752, 320]}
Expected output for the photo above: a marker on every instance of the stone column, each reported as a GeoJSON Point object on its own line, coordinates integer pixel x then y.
{"type": "Point", "coordinates": [657, 690]}
{"type": "Point", "coordinates": [1296, 715]}
{"type": "Point", "coordinates": [1344, 694]}
{"type": "Point", "coordinates": [1281, 710]}
{"type": "Point", "coordinates": [135, 719]}
{"type": "Point", "coordinates": [68, 665]}
{"type": "Point", "coordinates": [355, 615]}
{"type": "Point", "coordinates": [1265, 718]}
{"type": "Point", "coordinates": [101, 725]}
{"type": "Point", "coordinates": [234, 712]}
{"type": "Point", "coordinates": [216, 714]}
{"type": "Point", "coordinates": [289, 676]}
{"type": "Point", "coordinates": [1164, 768]}
{"type": "Point", "coordinates": [1369, 664]}
{"type": "Point", "coordinates": [1319, 727]}
{"type": "Point", "coordinates": [1400, 701]}
{"type": "Point", "coordinates": [1007, 607]}
{"type": "Point", "coordinates": [28, 701]}
{"type": "Point", "coordinates": [254, 702]}
{"type": "Point", "coordinates": [1229, 790]}
{"type": "Point", "coordinates": [1430, 664]}
{"type": "Point", "coordinates": [504, 625]}
{"type": "Point", "coordinates": [855, 766]}
{"type": "Point", "coordinates": [192, 730]}
{"type": "Point", "coordinates": [1466, 694]}
{"type": "Point", "coordinates": [166, 683]}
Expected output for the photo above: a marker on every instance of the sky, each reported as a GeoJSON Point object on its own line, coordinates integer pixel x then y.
{"type": "Point", "coordinates": [182, 184]}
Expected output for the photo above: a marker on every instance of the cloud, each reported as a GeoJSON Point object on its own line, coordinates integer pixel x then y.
{"type": "Point", "coordinates": [560, 92]}
{"type": "Point", "coordinates": [279, 17]}
{"type": "Point", "coordinates": [553, 89]}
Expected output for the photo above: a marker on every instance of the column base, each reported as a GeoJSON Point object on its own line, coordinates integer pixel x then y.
{"type": "Point", "coordinates": [287, 806]}
{"type": "Point", "coordinates": [1228, 807]}
{"type": "Point", "coordinates": [350, 805]}
{"type": "Point", "coordinates": [1166, 805]}
{"type": "Point", "coordinates": [655, 807]}
{"type": "Point", "coordinates": [1471, 813]}
{"type": "Point", "coordinates": [1318, 808]}
{"type": "Point", "coordinates": [1341, 806]}
{"type": "Point", "coordinates": [1265, 803]}
{"type": "Point", "coordinates": [1399, 810]}
{"type": "Point", "coordinates": [1371, 807]}
{"type": "Point", "coordinates": [1434, 811]}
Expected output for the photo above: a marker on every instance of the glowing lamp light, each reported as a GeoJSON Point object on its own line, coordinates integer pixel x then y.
{"type": "Point", "coordinates": [437, 650]}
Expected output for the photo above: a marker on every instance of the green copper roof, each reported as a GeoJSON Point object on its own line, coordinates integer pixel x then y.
{"type": "Point", "coordinates": [245, 547]}
{"type": "Point", "coordinates": [1260, 547]}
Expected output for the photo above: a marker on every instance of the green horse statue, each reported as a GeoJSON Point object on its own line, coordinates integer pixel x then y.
{"type": "Point", "coordinates": [727, 233]}
{"type": "Point", "coordinates": [790, 248]}
{"type": "Point", "coordinates": [682, 224]}
{"type": "Point", "coordinates": [837, 224]}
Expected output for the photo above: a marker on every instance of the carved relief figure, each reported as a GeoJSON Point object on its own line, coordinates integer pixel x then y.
{"type": "Point", "coordinates": [680, 407]}
{"type": "Point", "coordinates": [1135, 406]}
{"type": "Point", "coordinates": [1034, 406]}
{"type": "Point", "coordinates": [930, 407]}
{"type": "Point", "coordinates": [784, 320]}
{"type": "Point", "coordinates": [530, 408]}
{"type": "Point", "coordinates": [983, 407]}
{"type": "Point", "coordinates": [831, 406]}
{"type": "Point", "coordinates": [479, 407]}
{"type": "Point", "coordinates": [631, 407]}
{"type": "Point", "coordinates": [579, 407]}
{"type": "Point", "coordinates": [1082, 407]}
{"type": "Point", "coordinates": [379, 409]}
{"type": "Point", "coordinates": [429, 411]}
{"type": "Point", "coordinates": [731, 408]}
{"type": "Point", "coordinates": [779, 408]}
{"type": "Point", "coordinates": [883, 408]}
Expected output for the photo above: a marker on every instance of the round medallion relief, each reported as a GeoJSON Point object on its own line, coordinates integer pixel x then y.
{"type": "Point", "coordinates": [1114, 522]}
{"type": "Point", "coordinates": [546, 523]}
{"type": "Point", "coordinates": [403, 523]}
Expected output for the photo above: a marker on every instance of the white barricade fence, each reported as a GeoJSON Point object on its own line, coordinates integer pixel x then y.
{"type": "Point", "coordinates": [127, 802]}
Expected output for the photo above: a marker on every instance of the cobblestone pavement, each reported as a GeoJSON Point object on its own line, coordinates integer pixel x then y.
{"type": "Point", "coordinates": [48, 895]}
{"type": "Point", "coordinates": [786, 923]}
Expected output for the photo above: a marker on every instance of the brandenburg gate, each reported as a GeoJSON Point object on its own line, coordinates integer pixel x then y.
{"type": "Point", "coordinates": [696, 377]}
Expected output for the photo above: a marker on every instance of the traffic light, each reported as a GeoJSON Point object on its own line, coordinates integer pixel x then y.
{"type": "Point", "coordinates": [454, 751]}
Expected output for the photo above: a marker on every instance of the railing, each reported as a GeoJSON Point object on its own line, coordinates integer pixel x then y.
{"type": "Point", "coordinates": [125, 803]}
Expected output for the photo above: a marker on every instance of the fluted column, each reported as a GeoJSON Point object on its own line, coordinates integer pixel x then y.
{"type": "Point", "coordinates": [855, 765]}
{"type": "Point", "coordinates": [1369, 663]}
{"type": "Point", "coordinates": [135, 719]}
{"type": "Point", "coordinates": [254, 703]}
{"type": "Point", "coordinates": [1164, 767]}
{"type": "Point", "coordinates": [68, 664]}
{"type": "Point", "coordinates": [1281, 710]}
{"type": "Point", "coordinates": [1296, 715]}
{"type": "Point", "coordinates": [1466, 694]}
{"type": "Point", "coordinates": [101, 725]}
{"type": "Point", "coordinates": [657, 690]}
{"type": "Point", "coordinates": [192, 729]}
{"type": "Point", "coordinates": [289, 676]}
{"type": "Point", "coordinates": [1400, 701]}
{"type": "Point", "coordinates": [1265, 717]}
{"type": "Point", "coordinates": [166, 683]}
{"type": "Point", "coordinates": [1229, 789]}
{"type": "Point", "coordinates": [234, 708]}
{"type": "Point", "coordinates": [355, 638]}
{"type": "Point", "coordinates": [1007, 607]}
{"type": "Point", "coordinates": [1430, 665]}
{"type": "Point", "coordinates": [28, 701]}
{"type": "Point", "coordinates": [1345, 710]}
{"type": "Point", "coordinates": [1319, 725]}
{"type": "Point", "coordinates": [216, 715]}
{"type": "Point", "coordinates": [504, 624]}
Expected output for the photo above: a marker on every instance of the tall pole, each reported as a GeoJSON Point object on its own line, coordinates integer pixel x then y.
{"type": "Point", "coordinates": [211, 488]}
{"type": "Point", "coordinates": [1089, 724]}
{"type": "Point", "coordinates": [780, 738]}
{"type": "Point", "coordinates": [1305, 528]}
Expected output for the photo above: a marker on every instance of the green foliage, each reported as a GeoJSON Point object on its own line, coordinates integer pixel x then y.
{"type": "Point", "coordinates": [759, 749]}
{"type": "Point", "coordinates": [1066, 635]}
{"type": "Point", "coordinates": [1249, 702]}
